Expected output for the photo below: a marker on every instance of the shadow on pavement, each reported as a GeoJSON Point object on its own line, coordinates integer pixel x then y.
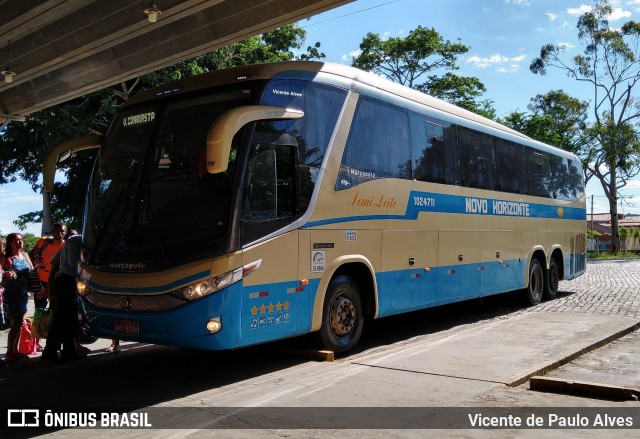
{"type": "Point", "coordinates": [145, 375]}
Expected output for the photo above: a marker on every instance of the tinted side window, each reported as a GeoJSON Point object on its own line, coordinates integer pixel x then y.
{"type": "Point", "coordinates": [477, 159]}
{"type": "Point", "coordinates": [378, 144]}
{"type": "Point", "coordinates": [537, 171]}
{"type": "Point", "coordinates": [321, 105]}
{"type": "Point", "coordinates": [512, 167]}
{"type": "Point", "coordinates": [434, 150]}
{"type": "Point", "coordinates": [576, 179]}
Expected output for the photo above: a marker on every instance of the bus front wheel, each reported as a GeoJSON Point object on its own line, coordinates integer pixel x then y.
{"type": "Point", "coordinates": [536, 282]}
{"type": "Point", "coordinates": [342, 318]}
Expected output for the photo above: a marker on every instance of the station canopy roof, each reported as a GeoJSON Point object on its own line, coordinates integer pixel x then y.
{"type": "Point", "coordinates": [62, 49]}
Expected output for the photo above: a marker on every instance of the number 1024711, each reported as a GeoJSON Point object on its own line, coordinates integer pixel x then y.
{"type": "Point", "coordinates": [424, 201]}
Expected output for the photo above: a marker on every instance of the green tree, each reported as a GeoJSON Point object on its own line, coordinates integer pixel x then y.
{"type": "Point", "coordinates": [415, 60]}
{"type": "Point", "coordinates": [557, 119]}
{"type": "Point", "coordinates": [609, 64]}
{"type": "Point", "coordinates": [23, 146]}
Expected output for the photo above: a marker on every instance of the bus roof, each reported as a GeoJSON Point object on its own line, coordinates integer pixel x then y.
{"type": "Point", "coordinates": [311, 69]}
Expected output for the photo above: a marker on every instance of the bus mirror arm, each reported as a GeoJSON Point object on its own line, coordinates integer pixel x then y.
{"type": "Point", "coordinates": [63, 151]}
{"type": "Point", "coordinates": [223, 129]}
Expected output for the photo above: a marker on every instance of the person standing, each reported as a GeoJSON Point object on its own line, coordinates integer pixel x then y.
{"type": "Point", "coordinates": [16, 265]}
{"type": "Point", "coordinates": [4, 316]}
{"type": "Point", "coordinates": [80, 350]}
{"type": "Point", "coordinates": [62, 290]}
{"type": "Point", "coordinates": [41, 255]}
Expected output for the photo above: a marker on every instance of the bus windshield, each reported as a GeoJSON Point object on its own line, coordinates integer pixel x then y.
{"type": "Point", "coordinates": [153, 203]}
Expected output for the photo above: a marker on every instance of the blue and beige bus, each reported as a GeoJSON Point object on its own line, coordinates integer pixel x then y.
{"type": "Point", "coordinates": [263, 202]}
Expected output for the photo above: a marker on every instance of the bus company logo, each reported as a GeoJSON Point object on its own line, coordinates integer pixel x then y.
{"type": "Point", "coordinates": [23, 418]}
{"type": "Point", "coordinates": [125, 303]}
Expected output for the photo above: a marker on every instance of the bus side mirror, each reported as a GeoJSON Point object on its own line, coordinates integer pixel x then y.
{"type": "Point", "coordinates": [223, 129]}
{"type": "Point", "coordinates": [63, 151]}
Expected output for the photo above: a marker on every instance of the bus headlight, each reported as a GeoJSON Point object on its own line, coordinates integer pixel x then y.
{"type": "Point", "coordinates": [194, 291]}
{"type": "Point", "coordinates": [205, 287]}
{"type": "Point", "coordinates": [83, 288]}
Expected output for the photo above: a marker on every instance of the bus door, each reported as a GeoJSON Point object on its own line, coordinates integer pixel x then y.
{"type": "Point", "coordinates": [459, 265]}
{"type": "Point", "coordinates": [272, 296]}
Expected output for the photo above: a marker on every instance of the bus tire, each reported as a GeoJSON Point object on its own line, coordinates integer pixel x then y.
{"type": "Point", "coordinates": [552, 282]}
{"type": "Point", "coordinates": [536, 282]}
{"type": "Point", "coordinates": [342, 318]}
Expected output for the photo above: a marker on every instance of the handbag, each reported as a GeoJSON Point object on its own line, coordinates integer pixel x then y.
{"type": "Point", "coordinates": [34, 284]}
{"type": "Point", "coordinates": [42, 319]}
{"type": "Point", "coordinates": [27, 342]}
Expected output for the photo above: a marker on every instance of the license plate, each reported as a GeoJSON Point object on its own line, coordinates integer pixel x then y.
{"type": "Point", "coordinates": [126, 327]}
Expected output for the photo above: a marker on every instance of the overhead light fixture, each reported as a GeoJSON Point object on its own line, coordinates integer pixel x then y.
{"type": "Point", "coordinates": [8, 73]}
{"type": "Point", "coordinates": [152, 12]}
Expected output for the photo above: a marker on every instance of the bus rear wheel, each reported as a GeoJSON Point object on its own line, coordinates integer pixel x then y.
{"type": "Point", "coordinates": [342, 318]}
{"type": "Point", "coordinates": [553, 280]}
{"type": "Point", "coordinates": [536, 282]}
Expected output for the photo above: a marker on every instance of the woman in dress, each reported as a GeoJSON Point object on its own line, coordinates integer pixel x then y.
{"type": "Point", "coordinates": [16, 265]}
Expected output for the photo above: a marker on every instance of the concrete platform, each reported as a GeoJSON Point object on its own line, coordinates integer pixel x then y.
{"type": "Point", "coordinates": [511, 351]}
{"type": "Point", "coordinates": [464, 366]}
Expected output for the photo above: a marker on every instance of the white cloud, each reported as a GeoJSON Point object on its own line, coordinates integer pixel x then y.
{"type": "Point", "coordinates": [504, 64]}
{"type": "Point", "coordinates": [633, 184]}
{"type": "Point", "coordinates": [579, 10]}
{"type": "Point", "coordinates": [551, 15]}
{"type": "Point", "coordinates": [565, 45]}
{"type": "Point", "coordinates": [618, 14]}
{"type": "Point", "coordinates": [347, 57]}
{"type": "Point", "coordinates": [11, 198]}
{"type": "Point", "coordinates": [519, 2]}
{"type": "Point", "coordinates": [509, 69]}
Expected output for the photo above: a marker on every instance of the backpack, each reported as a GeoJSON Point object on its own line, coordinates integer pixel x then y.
{"type": "Point", "coordinates": [38, 255]}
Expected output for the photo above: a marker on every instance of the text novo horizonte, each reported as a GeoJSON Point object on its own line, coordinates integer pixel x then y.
{"type": "Point", "coordinates": [498, 207]}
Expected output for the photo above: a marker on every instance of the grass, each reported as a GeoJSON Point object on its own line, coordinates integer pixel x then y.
{"type": "Point", "coordinates": [609, 255]}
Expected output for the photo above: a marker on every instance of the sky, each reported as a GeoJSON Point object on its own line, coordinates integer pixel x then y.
{"type": "Point", "coordinates": [504, 36]}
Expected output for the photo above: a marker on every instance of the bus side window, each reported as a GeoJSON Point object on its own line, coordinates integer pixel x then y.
{"type": "Point", "coordinates": [511, 167]}
{"type": "Point", "coordinates": [537, 172]}
{"type": "Point", "coordinates": [378, 144]}
{"type": "Point", "coordinates": [427, 149]}
{"type": "Point", "coordinates": [477, 159]}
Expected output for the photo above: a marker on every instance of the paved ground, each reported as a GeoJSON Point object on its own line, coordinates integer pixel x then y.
{"type": "Point", "coordinates": [467, 357]}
